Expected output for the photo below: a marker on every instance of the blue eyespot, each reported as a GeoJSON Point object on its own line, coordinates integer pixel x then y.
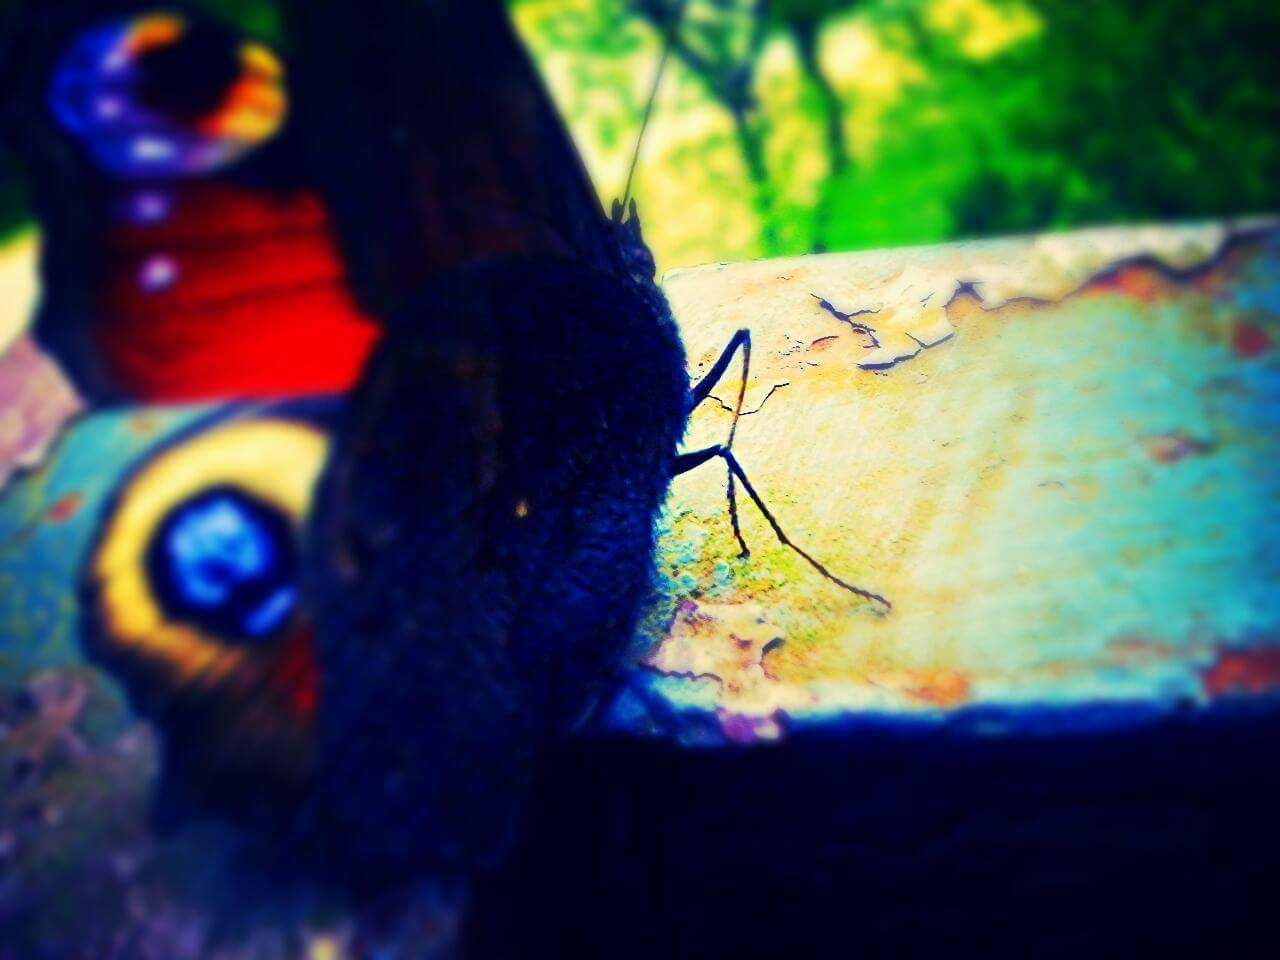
{"type": "Point", "coordinates": [161, 96]}
{"type": "Point", "coordinates": [226, 562]}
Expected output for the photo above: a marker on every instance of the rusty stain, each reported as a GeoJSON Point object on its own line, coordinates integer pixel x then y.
{"type": "Point", "coordinates": [1173, 447]}
{"type": "Point", "coordinates": [822, 343]}
{"type": "Point", "coordinates": [1137, 649]}
{"type": "Point", "coordinates": [144, 424]}
{"type": "Point", "coordinates": [1254, 670]}
{"type": "Point", "coordinates": [65, 507]}
{"type": "Point", "coordinates": [1137, 282]}
{"type": "Point", "coordinates": [940, 688]}
{"type": "Point", "coordinates": [1249, 341]}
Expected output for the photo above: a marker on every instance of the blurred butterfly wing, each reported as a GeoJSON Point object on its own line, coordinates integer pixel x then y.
{"type": "Point", "coordinates": [240, 293]}
{"type": "Point", "coordinates": [481, 546]}
{"type": "Point", "coordinates": [419, 132]}
{"type": "Point", "coordinates": [189, 595]}
{"type": "Point", "coordinates": [425, 734]}
{"type": "Point", "coordinates": [436, 143]}
{"type": "Point", "coordinates": [483, 536]}
{"type": "Point", "coordinates": [481, 540]}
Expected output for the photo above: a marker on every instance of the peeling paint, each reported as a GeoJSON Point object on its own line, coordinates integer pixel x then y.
{"type": "Point", "coordinates": [1088, 459]}
{"type": "Point", "coordinates": [908, 292]}
{"type": "Point", "coordinates": [1173, 447]}
{"type": "Point", "coordinates": [1244, 671]}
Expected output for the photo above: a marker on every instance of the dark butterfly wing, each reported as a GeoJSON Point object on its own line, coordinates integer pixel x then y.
{"type": "Point", "coordinates": [436, 144]}
{"type": "Point", "coordinates": [480, 554]}
{"type": "Point", "coordinates": [189, 248]}
{"type": "Point", "coordinates": [483, 534]}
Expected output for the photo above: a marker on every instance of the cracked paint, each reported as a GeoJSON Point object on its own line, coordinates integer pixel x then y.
{"type": "Point", "coordinates": [910, 317]}
{"type": "Point", "coordinates": [1090, 458]}
{"type": "Point", "coordinates": [746, 413]}
{"type": "Point", "coordinates": [905, 295]}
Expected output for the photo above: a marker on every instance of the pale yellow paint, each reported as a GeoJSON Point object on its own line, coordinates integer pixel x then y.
{"type": "Point", "coordinates": [19, 285]}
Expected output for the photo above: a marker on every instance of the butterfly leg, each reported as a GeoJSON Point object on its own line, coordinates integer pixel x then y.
{"type": "Point", "coordinates": [702, 389]}
{"type": "Point", "coordinates": [689, 461]}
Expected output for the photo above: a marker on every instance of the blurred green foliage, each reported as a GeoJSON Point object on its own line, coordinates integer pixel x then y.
{"type": "Point", "coordinates": [788, 126]}
{"type": "Point", "coordinates": [843, 124]}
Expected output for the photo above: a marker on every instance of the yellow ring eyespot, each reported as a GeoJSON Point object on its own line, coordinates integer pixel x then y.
{"type": "Point", "coordinates": [153, 30]}
{"type": "Point", "coordinates": [255, 107]}
{"type": "Point", "coordinates": [273, 461]}
{"type": "Point", "coordinates": [261, 62]}
{"type": "Point", "coordinates": [250, 691]}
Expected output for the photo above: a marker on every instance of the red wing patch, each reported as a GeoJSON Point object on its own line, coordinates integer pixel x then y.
{"type": "Point", "coordinates": [215, 291]}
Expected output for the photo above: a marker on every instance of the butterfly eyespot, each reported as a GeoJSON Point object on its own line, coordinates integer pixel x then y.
{"type": "Point", "coordinates": [191, 592]}
{"type": "Point", "coordinates": [227, 562]}
{"type": "Point", "coordinates": [186, 74]}
{"type": "Point", "coordinates": [162, 95]}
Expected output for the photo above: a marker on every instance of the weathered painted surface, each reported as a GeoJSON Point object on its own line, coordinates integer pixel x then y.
{"type": "Point", "coordinates": [1057, 458]}
{"type": "Point", "coordinates": [1068, 487]}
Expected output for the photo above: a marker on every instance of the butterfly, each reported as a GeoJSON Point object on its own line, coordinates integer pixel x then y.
{"type": "Point", "coordinates": [408, 549]}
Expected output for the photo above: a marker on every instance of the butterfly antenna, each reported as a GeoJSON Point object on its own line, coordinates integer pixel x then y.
{"type": "Point", "coordinates": [677, 17]}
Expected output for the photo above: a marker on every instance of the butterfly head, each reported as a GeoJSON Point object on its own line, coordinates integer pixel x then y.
{"type": "Point", "coordinates": [166, 95]}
